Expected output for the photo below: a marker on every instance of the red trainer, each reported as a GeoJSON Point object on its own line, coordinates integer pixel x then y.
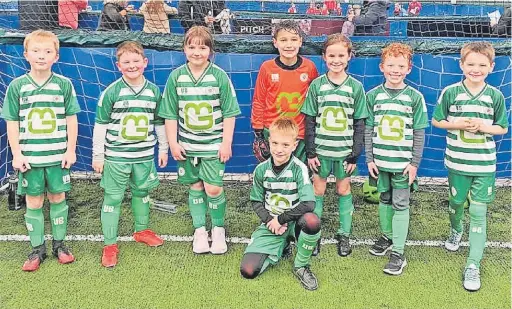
{"type": "Point", "coordinates": [109, 258]}
{"type": "Point", "coordinates": [31, 264]}
{"type": "Point", "coordinates": [62, 253]}
{"type": "Point", "coordinates": [148, 237]}
{"type": "Point", "coordinates": [35, 258]}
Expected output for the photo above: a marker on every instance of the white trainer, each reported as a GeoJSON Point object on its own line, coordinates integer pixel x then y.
{"type": "Point", "coordinates": [200, 243]}
{"type": "Point", "coordinates": [472, 278]}
{"type": "Point", "coordinates": [453, 242]}
{"type": "Point", "coordinates": [219, 245]}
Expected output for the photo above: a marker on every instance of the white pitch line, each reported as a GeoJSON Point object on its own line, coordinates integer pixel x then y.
{"type": "Point", "coordinates": [244, 240]}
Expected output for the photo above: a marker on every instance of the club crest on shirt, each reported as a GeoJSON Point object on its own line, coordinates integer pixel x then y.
{"type": "Point", "coordinates": [125, 104]}
{"type": "Point", "coordinates": [304, 77]}
{"type": "Point", "coordinates": [274, 77]}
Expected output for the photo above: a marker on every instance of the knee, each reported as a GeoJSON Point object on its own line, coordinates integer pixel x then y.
{"type": "Point", "coordinates": [198, 186]}
{"type": "Point", "coordinates": [319, 185]}
{"type": "Point", "coordinates": [343, 187]}
{"type": "Point", "coordinates": [113, 199]}
{"type": "Point", "coordinates": [249, 270]}
{"type": "Point", "coordinates": [401, 198]}
{"type": "Point", "coordinates": [212, 191]}
{"type": "Point", "coordinates": [35, 202]}
{"type": "Point", "coordinates": [140, 193]}
{"type": "Point", "coordinates": [310, 223]}
{"type": "Point", "coordinates": [55, 198]}
{"type": "Point", "coordinates": [477, 211]}
{"type": "Point", "coordinates": [385, 198]}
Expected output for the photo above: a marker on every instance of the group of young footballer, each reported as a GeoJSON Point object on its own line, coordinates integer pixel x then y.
{"type": "Point", "coordinates": [304, 124]}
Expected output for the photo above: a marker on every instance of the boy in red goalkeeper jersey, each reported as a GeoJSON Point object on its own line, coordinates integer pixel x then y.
{"type": "Point", "coordinates": [281, 88]}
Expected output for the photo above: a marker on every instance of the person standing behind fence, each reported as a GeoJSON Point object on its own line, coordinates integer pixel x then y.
{"type": "Point", "coordinates": [68, 12]}
{"type": "Point", "coordinates": [156, 18]}
{"type": "Point", "coordinates": [373, 18]}
{"type": "Point", "coordinates": [201, 13]}
{"type": "Point", "coordinates": [114, 15]}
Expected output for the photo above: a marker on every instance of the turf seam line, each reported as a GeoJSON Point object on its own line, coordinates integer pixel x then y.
{"type": "Point", "coordinates": [244, 240]}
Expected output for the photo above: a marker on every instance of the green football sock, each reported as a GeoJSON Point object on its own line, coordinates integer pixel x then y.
{"type": "Point", "coordinates": [110, 212]}
{"type": "Point", "coordinates": [59, 219]}
{"type": "Point", "coordinates": [217, 207]}
{"type": "Point", "coordinates": [140, 209]}
{"type": "Point", "coordinates": [456, 214]}
{"type": "Point", "coordinates": [319, 206]}
{"type": "Point", "coordinates": [305, 246]}
{"type": "Point", "coordinates": [34, 220]}
{"type": "Point", "coordinates": [197, 205]}
{"type": "Point", "coordinates": [386, 219]}
{"type": "Point", "coordinates": [346, 209]}
{"type": "Point", "coordinates": [477, 232]}
{"type": "Point", "coordinates": [400, 229]}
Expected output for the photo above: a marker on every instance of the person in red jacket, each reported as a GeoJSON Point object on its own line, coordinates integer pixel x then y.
{"type": "Point", "coordinates": [414, 8]}
{"type": "Point", "coordinates": [68, 12]}
{"type": "Point", "coordinates": [282, 85]}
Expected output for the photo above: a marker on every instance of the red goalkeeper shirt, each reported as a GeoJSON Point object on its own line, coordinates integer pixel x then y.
{"type": "Point", "coordinates": [280, 92]}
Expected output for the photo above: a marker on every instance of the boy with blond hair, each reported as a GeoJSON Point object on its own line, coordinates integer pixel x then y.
{"type": "Point", "coordinates": [282, 197]}
{"type": "Point", "coordinates": [394, 138]}
{"type": "Point", "coordinates": [123, 147]}
{"type": "Point", "coordinates": [472, 112]}
{"type": "Point", "coordinates": [40, 109]}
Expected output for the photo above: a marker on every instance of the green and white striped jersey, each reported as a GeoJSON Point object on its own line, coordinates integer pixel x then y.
{"type": "Point", "coordinates": [200, 107]}
{"type": "Point", "coordinates": [393, 119]}
{"type": "Point", "coordinates": [41, 111]}
{"type": "Point", "coordinates": [335, 108]}
{"type": "Point", "coordinates": [131, 119]}
{"type": "Point", "coordinates": [284, 191]}
{"type": "Point", "coordinates": [467, 153]}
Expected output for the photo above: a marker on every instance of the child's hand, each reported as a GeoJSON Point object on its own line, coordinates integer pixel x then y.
{"type": "Point", "coordinates": [412, 171]}
{"type": "Point", "coordinates": [20, 162]}
{"type": "Point", "coordinates": [349, 168]}
{"type": "Point", "coordinates": [225, 152]}
{"type": "Point", "coordinates": [178, 152]}
{"type": "Point", "coordinates": [314, 163]}
{"type": "Point", "coordinates": [163, 157]}
{"type": "Point", "coordinates": [68, 159]}
{"type": "Point", "coordinates": [282, 229]}
{"type": "Point", "coordinates": [373, 170]}
{"type": "Point", "coordinates": [97, 166]}
{"type": "Point", "coordinates": [474, 125]}
{"type": "Point", "coordinates": [274, 226]}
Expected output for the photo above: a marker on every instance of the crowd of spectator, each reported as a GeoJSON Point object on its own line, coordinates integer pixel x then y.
{"type": "Point", "coordinates": [369, 19]}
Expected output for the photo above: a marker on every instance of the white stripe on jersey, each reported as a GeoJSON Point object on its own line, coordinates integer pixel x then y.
{"type": "Point", "coordinates": [31, 87]}
{"type": "Point", "coordinates": [470, 168]}
{"type": "Point", "coordinates": [333, 154]}
{"type": "Point", "coordinates": [402, 143]}
{"type": "Point", "coordinates": [128, 92]}
{"type": "Point", "coordinates": [347, 110]}
{"type": "Point", "coordinates": [212, 103]}
{"type": "Point", "coordinates": [45, 159]}
{"type": "Point", "coordinates": [129, 155]}
{"type": "Point", "coordinates": [303, 168]}
{"type": "Point", "coordinates": [333, 143]}
{"type": "Point", "coordinates": [323, 131]}
{"type": "Point", "coordinates": [217, 127]}
{"type": "Point", "coordinates": [280, 185]}
{"type": "Point", "coordinates": [55, 134]}
{"type": "Point", "coordinates": [131, 144]}
{"type": "Point", "coordinates": [404, 98]}
{"type": "Point", "coordinates": [195, 137]}
{"type": "Point", "coordinates": [186, 79]}
{"type": "Point", "coordinates": [45, 147]}
{"type": "Point", "coordinates": [194, 117]}
{"type": "Point", "coordinates": [200, 147]}
{"type": "Point", "coordinates": [119, 116]}
{"type": "Point", "coordinates": [472, 108]}
{"type": "Point", "coordinates": [394, 107]}
{"type": "Point", "coordinates": [337, 98]}
{"type": "Point", "coordinates": [134, 103]}
{"type": "Point", "coordinates": [328, 87]}
{"type": "Point", "coordinates": [392, 153]}
{"type": "Point", "coordinates": [54, 98]}
{"type": "Point", "coordinates": [391, 165]}
{"type": "Point", "coordinates": [471, 156]}
{"type": "Point", "coordinates": [56, 110]}
{"type": "Point", "coordinates": [270, 173]}
{"type": "Point", "coordinates": [202, 91]}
